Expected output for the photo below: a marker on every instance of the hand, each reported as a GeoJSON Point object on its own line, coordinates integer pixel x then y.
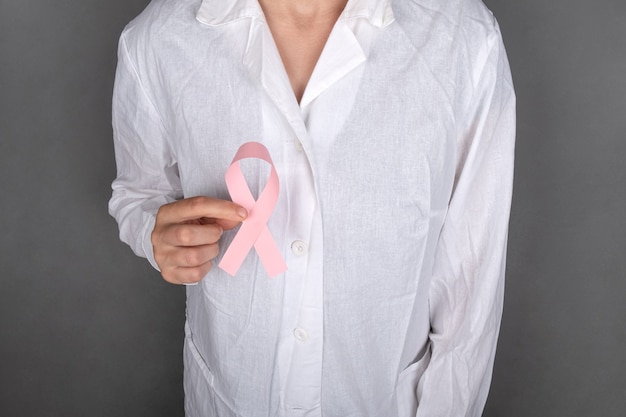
{"type": "Point", "coordinates": [186, 234]}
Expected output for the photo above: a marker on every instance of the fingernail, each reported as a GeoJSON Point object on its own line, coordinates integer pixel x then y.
{"type": "Point", "coordinates": [242, 212]}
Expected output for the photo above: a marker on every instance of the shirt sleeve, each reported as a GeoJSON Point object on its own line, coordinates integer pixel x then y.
{"type": "Point", "coordinates": [147, 174]}
{"type": "Point", "coordinates": [467, 287]}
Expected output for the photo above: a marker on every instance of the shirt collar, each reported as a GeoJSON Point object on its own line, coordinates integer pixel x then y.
{"type": "Point", "coordinates": [220, 12]}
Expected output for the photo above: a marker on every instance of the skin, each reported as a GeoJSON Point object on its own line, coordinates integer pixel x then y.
{"type": "Point", "coordinates": [186, 234]}
{"type": "Point", "coordinates": [300, 29]}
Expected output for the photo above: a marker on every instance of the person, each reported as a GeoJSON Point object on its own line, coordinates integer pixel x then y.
{"type": "Point", "coordinates": [391, 126]}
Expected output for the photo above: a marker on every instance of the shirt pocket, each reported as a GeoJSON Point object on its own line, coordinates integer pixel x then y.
{"type": "Point", "coordinates": [198, 381]}
{"type": "Point", "coordinates": [203, 392]}
{"type": "Point", "coordinates": [409, 386]}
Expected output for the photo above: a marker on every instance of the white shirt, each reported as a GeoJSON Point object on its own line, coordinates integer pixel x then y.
{"type": "Point", "coordinates": [396, 171]}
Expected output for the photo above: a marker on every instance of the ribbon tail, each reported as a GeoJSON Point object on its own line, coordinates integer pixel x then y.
{"type": "Point", "coordinates": [239, 248]}
{"type": "Point", "coordinates": [269, 254]}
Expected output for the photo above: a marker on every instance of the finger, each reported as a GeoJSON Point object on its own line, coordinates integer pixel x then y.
{"type": "Point", "coordinates": [187, 235]}
{"type": "Point", "coordinates": [227, 224]}
{"type": "Point", "coordinates": [187, 275]}
{"type": "Point", "coordinates": [195, 274]}
{"type": "Point", "coordinates": [198, 207]}
{"type": "Point", "coordinates": [193, 256]}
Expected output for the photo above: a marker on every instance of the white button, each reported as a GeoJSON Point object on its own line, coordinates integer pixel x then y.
{"type": "Point", "coordinates": [298, 247]}
{"type": "Point", "coordinates": [300, 334]}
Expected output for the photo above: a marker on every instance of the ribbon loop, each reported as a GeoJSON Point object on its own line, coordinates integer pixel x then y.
{"type": "Point", "coordinates": [253, 231]}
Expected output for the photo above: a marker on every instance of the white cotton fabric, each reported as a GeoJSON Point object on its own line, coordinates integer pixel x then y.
{"type": "Point", "coordinates": [396, 172]}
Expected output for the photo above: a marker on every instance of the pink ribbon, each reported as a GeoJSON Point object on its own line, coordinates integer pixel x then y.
{"type": "Point", "coordinates": [253, 230]}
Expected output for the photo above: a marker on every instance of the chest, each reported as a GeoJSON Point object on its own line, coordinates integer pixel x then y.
{"type": "Point", "coordinates": [396, 134]}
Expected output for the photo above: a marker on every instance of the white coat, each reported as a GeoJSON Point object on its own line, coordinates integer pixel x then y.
{"type": "Point", "coordinates": [396, 172]}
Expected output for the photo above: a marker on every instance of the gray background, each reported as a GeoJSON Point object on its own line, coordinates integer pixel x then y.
{"type": "Point", "coordinates": [87, 329]}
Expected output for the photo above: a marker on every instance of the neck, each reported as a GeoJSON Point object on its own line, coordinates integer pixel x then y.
{"type": "Point", "coordinates": [300, 29]}
{"type": "Point", "coordinates": [302, 13]}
